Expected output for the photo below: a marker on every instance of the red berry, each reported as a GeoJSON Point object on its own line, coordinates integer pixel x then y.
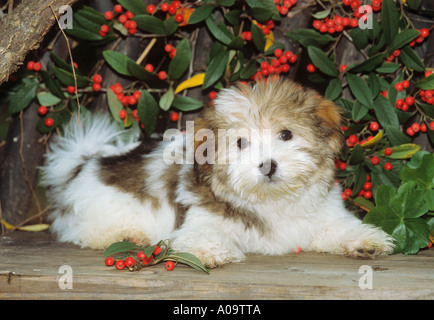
{"type": "Point", "coordinates": [423, 127]}
{"type": "Point", "coordinates": [388, 166]}
{"type": "Point", "coordinates": [164, 6]}
{"type": "Point", "coordinates": [424, 32]}
{"type": "Point", "coordinates": [120, 264]}
{"type": "Point", "coordinates": [168, 48]}
{"type": "Point", "coordinates": [375, 160]}
{"type": "Point", "coordinates": [374, 126]}
{"type": "Point", "coordinates": [431, 125]}
{"type": "Point", "coordinates": [141, 255]}
{"type": "Point", "coordinates": [109, 261]}
{"type": "Point", "coordinates": [150, 8]}
{"type": "Point", "coordinates": [37, 66]}
{"type": "Point", "coordinates": [132, 100]}
{"type": "Point", "coordinates": [415, 127]}
{"type": "Point", "coordinates": [410, 131]}
{"type": "Point", "coordinates": [285, 67]}
{"type": "Point", "coordinates": [399, 103]}
{"type": "Point", "coordinates": [212, 95]}
{"type": "Point", "coordinates": [310, 68]}
{"type": "Point", "coordinates": [342, 166]}
{"type": "Point", "coordinates": [49, 122]}
{"type": "Point", "coordinates": [97, 78]}
{"type": "Point", "coordinates": [396, 53]}
{"type": "Point", "coordinates": [102, 34]}
{"type": "Point", "coordinates": [367, 186]}
{"type": "Point", "coordinates": [129, 14]}
{"type": "Point", "coordinates": [179, 18]}
{"type": "Point", "coordinates": [71, 89]}
{"type": "Point", "coordinates": [147, 260]}
{"type": "Point", "coordinates": [344, 196]}
{"type": "Point", "coordinates": [409, 100]}
{"type": "Point", "coordinates": [388, 151]}
{"type": "Point", "coordinates": [170, 265]}
{"type": "Point", "coordinates": [118, 8]}
{"type": "Point", "coordinates": [149, 67]}
{"type": "Point", "coordinates": [162, 75]}
{"type": "Point", "coordinates": [174, 116]}
{"type": "Point", "coordinates": [42, 110]}
{"type": "Point", "coordinates": [137, 94]}
{"type": "Point", "coordinates": [30, 65]}
{"type": "Point", "coordinates": [122, 114]}
{"type": "Point", "coordinates": [96, 87]}
{"type": "Point", "coordinates": [172, 9]}
{"type": "Point", "coordinates": [353, 139]}
{"type": "Point", "coordinates": [399, 86]}
{"type": "Point", "coordinates": [367, 194]}
{"type": "Point", "coordinates": [130, 262]}
{"type": "Point", "coordinates": [108, 15]}
{"type": "Point", "coordinates": [105, 28]}
{"type": "Point", "coordinates": [343, 67]}
{"type": "Point", "coordinates": [122, 18]}
{"type": "Point", "coordinates": [405, 84]}
{"type": "Point", "coordinates": [278, 52]}
{"type": "Point", "coordinates": [354, 22]}
{"type": "Point", "coordinates": [348, 192]}
{"type": "Point", "coordinates": [157, 250]}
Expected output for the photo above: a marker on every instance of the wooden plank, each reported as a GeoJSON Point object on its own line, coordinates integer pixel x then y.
{"type": "Point", "coordinates": [30, 262]}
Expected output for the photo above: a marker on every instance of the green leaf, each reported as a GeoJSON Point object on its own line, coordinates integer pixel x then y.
{"type": "Point", "coordinates": [421, 171]}
{"type": "Point", "coordinates": [258, 38]}
{"type": "Point", "coordinates": [249, 70]}
{"type": "Point", "coordinates": [368, 65]}
{"type": "Point", "coordinates": [138, 71]}
{"type": "Point", "coordinates": [150, 24]}
{"type": "Point", "coordinates": [147, 111]}
{"type": "Point", "coordinates": [21, 99]}
{"type": "Point", "coordinates": [215, 69]}
{"type": "Point", "coordinates": [220, 32]}
{"type": "Point", "coordinates": [47, 99]}
{"type": "Point", "coordinates": [84, 34]}
{"type": "Point", "coordinates": [426, 83]}
{"type": "Point", "coordinates": [233, 17]}
{"type": "Point", "coordinates": [357, 155]}
{"type": "Point", "coordinates": [167, 99]}
{"type": "Point", "coordinates": [321, 61]}
{"type": "Point", "coordinates": [170, 26]}
{"type": "Point", "coordinates": [114, 105]}
{"type": "Point", "coordinates": [414, 4]}
{"type": "Point", "coordinates": [135, 6]}
{"type": "Point", "coordinates": [360, 38]}
{"type": "Point", "coordinates": [411, 59]}
{"type": "Point", "coordinates": [334, 89]}
{"type": "Point", "coordinates": [401, 39]}
{"type": "Point", "coordinates": [67, 78]}
{"type": "Point", "coordinates": [395, 136]}
{"type": "Point", "coordinates": [389, 20]}
{"type": "Point", "coordinates": [59, 117]}
{"type": "Point", "coordinates": [260, 14]}
{"type": "Point", "coordinates": [360, 90]}
{"type": "Point", "coordinates": [179, 64]}
{"type": "Point", "coordinates": [186, 103]}
{"type": "Point", "coordinates": [427, 109]}
{"type": "Point", "coordinates": [188, 259]}
{"type": "Point", "coordinates": [403, 151]}
{"type": "Point", "coordinates": [309, 37]}
{"type": "Point", "coordinates": [265, 4]}
{"type": "Point", "coordinates": [359, 111]}
{"type": "Point", "coordinates": [201, 13]}
{"type": "Point", "coordinates": [120, 247]}
{"type": "Point", "coordinates": [374, 84]}
{"type": "Point", "coordinates": [387, 67]}
{"type": "Point", "coordinates": [52, 84]}
{"type": "Point", "coordinates": [398, 213]}
{"type": "Point", "coordinates": [385, 112]}
{"type": "Point", "coordinates": [321, 14]}
{"type": "Point", "coordinates": [118, 61]}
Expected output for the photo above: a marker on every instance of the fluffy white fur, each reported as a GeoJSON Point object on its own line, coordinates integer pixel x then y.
{"type": "Point", "coordinates": [300, 206]}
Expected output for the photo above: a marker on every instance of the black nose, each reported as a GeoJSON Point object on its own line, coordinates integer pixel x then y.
{"type": "Point", "coordinates": [268, 168]}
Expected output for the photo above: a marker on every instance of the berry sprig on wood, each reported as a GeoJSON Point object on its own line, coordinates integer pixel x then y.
{"type": "Point", "coordinates": [125, 254]}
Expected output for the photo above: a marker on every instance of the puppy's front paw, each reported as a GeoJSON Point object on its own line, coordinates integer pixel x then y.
{"type": "Point", "coordinates": [371, 242]}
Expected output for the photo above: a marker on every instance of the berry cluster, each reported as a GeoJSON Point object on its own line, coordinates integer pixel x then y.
{"type": "Point", "coordinates": [427, 96]}
{"type": "Point", "coordinates": [266, 29]}
{"type": "Point", "coordinates": [366, 191]}
{"type": "Point", "coordinates": [284, 6]}
{"type": "Point", "coordinates": [170, 50]}
{"type": "Point", "coordinates": [126, 100]}
{"type": "Point", "coordinates": [424, 33]}
{"type": "Point", "coordinates": [416, 127]}
{"type": "Point", "coordinates": [394, 55]}
{"type": "Point", "coordinates": [124, 18]}
{"type": "Point", "coordinates": [278, 64]}
{"type": "Point", "coordinates": [172, 9]}
{"type": "Point", "coordinates": [35, 66]}
{"type": "Point", "coordinates": [336, 24]}
{"type": "Point", "coordinates": [141, 260]}
{"type": "Point", "coordinates": [97, 80]}
{"type": "Point", "coordinates": [404, 105]}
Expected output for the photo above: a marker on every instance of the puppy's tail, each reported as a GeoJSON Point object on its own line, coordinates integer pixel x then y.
{"type": "Point", "coordinates": [89, 136]}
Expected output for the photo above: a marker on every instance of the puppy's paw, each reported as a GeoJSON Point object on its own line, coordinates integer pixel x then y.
{"type": "Point", "coordinates": [370, 243]}
{"type": "Point", "coordinates": [216, 257]}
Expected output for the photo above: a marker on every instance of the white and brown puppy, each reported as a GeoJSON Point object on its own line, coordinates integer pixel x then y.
{"type": "Point", "coordinates": [270, 194]}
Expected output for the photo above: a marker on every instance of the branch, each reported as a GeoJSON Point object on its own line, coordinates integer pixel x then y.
{"type": "Point", "coordinates": [23, 30]}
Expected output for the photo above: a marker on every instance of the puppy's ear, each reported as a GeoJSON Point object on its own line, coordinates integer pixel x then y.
{"type": "Point", "coordinates": [330, 118]}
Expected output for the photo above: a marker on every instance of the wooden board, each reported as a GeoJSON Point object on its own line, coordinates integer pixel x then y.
{"type": "Point", "coordinates": [30, 262]}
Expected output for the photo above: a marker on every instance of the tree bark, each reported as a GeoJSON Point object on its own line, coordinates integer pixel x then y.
{"type": "Point", "coordinates": [24, 30]}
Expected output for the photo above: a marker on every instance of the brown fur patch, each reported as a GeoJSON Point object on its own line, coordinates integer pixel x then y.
{"type": "Point", "coordinates": [126, 172]}
{"type": "Point", "coordinates": [329, 113]}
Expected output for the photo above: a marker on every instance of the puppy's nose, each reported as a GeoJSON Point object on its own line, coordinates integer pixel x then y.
{"type": "Point", "coordinates": [268, 168]}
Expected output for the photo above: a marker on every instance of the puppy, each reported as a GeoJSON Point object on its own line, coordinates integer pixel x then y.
{"type": "Point", "coordinates": [255, 176]}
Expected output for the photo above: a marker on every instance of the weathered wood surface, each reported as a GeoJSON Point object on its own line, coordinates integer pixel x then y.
{"type": "Point", "coordinates": [29, 269]}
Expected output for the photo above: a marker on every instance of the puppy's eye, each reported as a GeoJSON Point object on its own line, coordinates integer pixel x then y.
{"type": "Point", "coordinates": [242, 143]}
{"type": "Point", "coordinates": [286, 135]}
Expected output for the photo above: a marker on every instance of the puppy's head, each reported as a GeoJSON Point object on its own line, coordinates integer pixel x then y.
{"type": "Point", "coordinates": [271, 140]}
